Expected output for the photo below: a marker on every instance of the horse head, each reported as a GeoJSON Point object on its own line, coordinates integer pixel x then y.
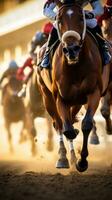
{"type": "Point", "coordinates": [71, 28]}
{"type": "Point", "coordinates": [14, 86]}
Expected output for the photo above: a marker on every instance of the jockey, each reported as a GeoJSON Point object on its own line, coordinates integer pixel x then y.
{"type": "Point", "coordinates": [21, 76]}
{"type": "Point", "coordinates": [40, 38]}
{"type": "Point", "coordinates": [107, 12]}
{"type": "Point", "coordinates": [11, 70]}
{"type": "Point", "coordinates": [20, 72]}
{"type": "Point", "coordinates": [91, 21]}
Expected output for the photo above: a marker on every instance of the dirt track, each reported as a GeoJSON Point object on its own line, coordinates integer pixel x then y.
{"type": "Point", "coordinates": [15, 185]}
{"type": "Point", "coordinates": [23, 177]}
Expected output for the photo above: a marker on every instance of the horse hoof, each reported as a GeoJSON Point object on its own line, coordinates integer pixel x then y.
{"type": "Point", "coordinates": [71, 134]}
{"type": "Point", "coordinates": [81, 166]}
{"type": "Point", "coordinates": [94, 140]}
{"type": "Point", "coordinates": [62, 163]}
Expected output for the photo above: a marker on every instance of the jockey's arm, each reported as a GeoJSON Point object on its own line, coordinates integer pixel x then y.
{"type": "Point", "coordinates": [48, 10]}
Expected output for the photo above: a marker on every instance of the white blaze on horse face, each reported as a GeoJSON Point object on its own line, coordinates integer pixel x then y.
{"type": "Point", "coordinates": [70, 12]}
{"type": "Point", "coordinates": [70, 33]}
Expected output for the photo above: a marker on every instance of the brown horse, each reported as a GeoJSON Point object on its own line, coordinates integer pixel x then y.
{"type": "Point", "coordinates": [76, 80]}
{"type": "Point", "coordinates": [36, 109]}
{"type": "Point", "coordinates": [33, 99]}
{"type": "Point", "coordinates": [107, 100]}
{"type": "Point", "coordinates": [14, 110]}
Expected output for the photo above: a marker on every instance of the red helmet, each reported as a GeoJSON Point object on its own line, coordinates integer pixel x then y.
{"type": "Point", "coordinates": [109, 3]}
{"type": "Point", "coordinates": [47, 28]}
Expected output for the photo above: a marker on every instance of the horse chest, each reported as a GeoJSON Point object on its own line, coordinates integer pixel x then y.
{"type": "Point", "coordinates": [75, 90]}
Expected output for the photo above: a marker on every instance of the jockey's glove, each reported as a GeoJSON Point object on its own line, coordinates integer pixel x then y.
{"type": "Point", "coordinates": [89, 15]}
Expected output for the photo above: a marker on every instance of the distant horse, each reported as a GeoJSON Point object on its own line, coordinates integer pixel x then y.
{"type": "Point", "coordinates": [107, 100]}
{"type": "Point", "coordinates": [36, 109]}
{"type": "Point", "coordinates": [33, 99]}
{"type": "Point", "coordinates": [14, 110]}
{"type": "Point", "coordinates": [76, 80]}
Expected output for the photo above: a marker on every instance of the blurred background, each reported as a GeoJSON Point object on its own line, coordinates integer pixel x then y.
{"type": "Point", "coordinates": [19, 20]}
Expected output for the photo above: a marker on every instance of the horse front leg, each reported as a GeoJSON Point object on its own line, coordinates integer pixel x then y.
{"type": "Point", "coordinates": [67, 114]}
{"type": "Point", "coordinates": [73, 158]}
{"type": "Point", "coordinates": [7, 126]}
{"type": "Point", "coordinates": [63, 161]}
{"type": "Point", "coordinates": [87, 125]}
{"type": "Point", "coordinates": [50, 141]}
{"type": "Point", "coordinates": [94, 139]}
{"type": "Point", "coordinates": [57, 123]}
{"type": "Point", "coordinates": [29, 126]}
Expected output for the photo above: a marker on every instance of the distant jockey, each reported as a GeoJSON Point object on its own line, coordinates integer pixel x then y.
{"type": "Point", "coordinates": [38, 40]}
{"type": "Point", "coordinates": [10, 71]}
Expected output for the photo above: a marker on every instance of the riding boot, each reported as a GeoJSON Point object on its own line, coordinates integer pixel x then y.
{"type": "Point", "coordinates": [53, 36]}
{"type": "Point", "coordinates": [106, 57]}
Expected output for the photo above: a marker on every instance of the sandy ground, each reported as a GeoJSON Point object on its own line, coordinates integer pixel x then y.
{"type": "Point", "coordinates": [33, 185]}
{"type": "Point", "coordinates": [23, 177]}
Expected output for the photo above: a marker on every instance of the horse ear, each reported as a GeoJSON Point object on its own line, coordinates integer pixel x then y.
{"type": "Point", "coordinates": [58, 3]}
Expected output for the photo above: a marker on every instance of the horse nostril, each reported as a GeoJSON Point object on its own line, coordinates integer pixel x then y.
{"type": "Point", "coordinates": [65, 50]}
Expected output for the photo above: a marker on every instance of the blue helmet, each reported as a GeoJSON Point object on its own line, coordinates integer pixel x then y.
{"type": "Point", "coordinates": [12, 65]}
{"type": "Point", "coordinates": [39, 36]}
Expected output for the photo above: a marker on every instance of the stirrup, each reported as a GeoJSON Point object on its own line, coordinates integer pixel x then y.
{"type": "Point", "coordinates": [45, 62]}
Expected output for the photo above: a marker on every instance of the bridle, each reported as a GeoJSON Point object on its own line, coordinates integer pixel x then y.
{"type": "Point", "coordinates": [84, 19]}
